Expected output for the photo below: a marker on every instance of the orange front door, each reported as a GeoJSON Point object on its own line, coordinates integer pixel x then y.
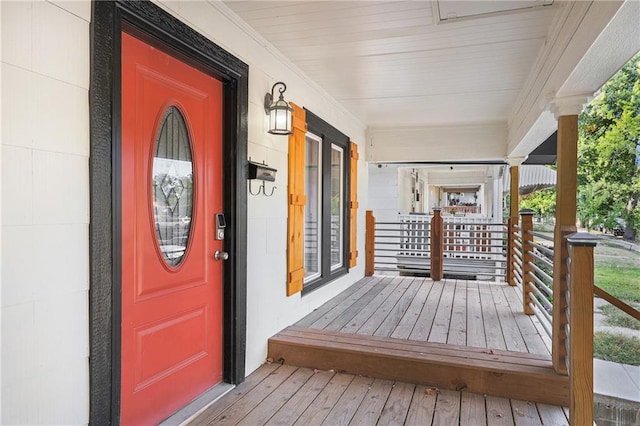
{"type": "Point", "coordinates": [171, 190]}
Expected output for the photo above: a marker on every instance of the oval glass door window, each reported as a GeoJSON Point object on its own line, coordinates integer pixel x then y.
{"type": "Point", "coordinates": [172, 187]}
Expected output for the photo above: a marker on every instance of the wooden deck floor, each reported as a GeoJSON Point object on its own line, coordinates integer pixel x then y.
{"type": "Point", "coordinates": [286, 395]}
{"type": "Point", "coordinates": [457, 312]}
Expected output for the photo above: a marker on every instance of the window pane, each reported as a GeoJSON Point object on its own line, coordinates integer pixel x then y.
{"type": "Point", "coordinates": [172, 187]}
{"type": "Point", "coordinates": [337, 209]}
{"type": "Point", "coordinates": [312, 210]}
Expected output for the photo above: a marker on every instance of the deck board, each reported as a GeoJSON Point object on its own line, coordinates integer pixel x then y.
{"type": "Point", "coordinates": [525, 413]}
{"type": "Point", "coordinates": [342, 306]}
{"type": "Point", "coordinates": [486, 317]}
{"type": "Point", "coordinates": [422, 406]}
{"type": "Point", "coordinates": [475, 324]}
{"type": "Point", "coordinates": [552, 414]}
{"type": "Point", "coordinates": [271, 404]}
{"type": "Point", "coordinates": [328, 306]}
{"type": "Point", "coordinates": [410, 318]}
{"type": "Point", "coordinates": [532, 338]}
{"type": "Point", "coordinates": [347, 315]}
{"type": "Point", "coordinates": [423, 326]}
{"type": "Point", "coordinates": [440, 328]}
{"type": "Point", "coordinates": [472, 410]}
{"type": "Point", "coordinates": [492, 328]}
{"type": "Point", "coordinates": [236, 412]}
{"type": "Point", "coordinates": [331, 398]}
{"type": "Point", "coordinates": [447, 409]}
{"type": "Point", "coordinates": [510, 331]}
{"type": "Point", "coordinates": [499, 411]}
{"type": "Point", "coordinates": [296, 405]}
{"type": "Point", "coordinates": [458, 324]}
{"type": "Point", "coordinates": [397, 312]}
{"type": "Point", "coordinates": [349, 402]}
{"type": "Point", "coordinates": [235, 395]}
{"type": "Point", "coordinates": [397, 406]}
{"type": "Point", "coordinates": [368, 310]}
{"type": "Point", "coordinates": [381, 313]}
{"type": "Point", "coordinates": [374, 401]}
{"type": "Point", "coordinates": [324, 402]}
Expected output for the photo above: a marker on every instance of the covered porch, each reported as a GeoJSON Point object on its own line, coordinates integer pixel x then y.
{"type": "Point", "coordinates": [405, 350]}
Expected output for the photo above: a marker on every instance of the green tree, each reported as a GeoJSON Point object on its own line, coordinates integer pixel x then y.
{"type": "Point", "coordinates": [609, 146]}
{"type": "Point", "coordinates": [542, 202]}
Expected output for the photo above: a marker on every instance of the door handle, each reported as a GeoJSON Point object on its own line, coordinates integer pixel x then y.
{"type": "Point", "coordinates": [220, 255]}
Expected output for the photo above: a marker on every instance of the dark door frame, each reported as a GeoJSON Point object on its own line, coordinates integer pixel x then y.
{"type": "Point", "coordinates": [155, 26]}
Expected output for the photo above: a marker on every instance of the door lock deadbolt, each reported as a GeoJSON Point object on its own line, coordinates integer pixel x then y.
{"type": "Point", "coordinates": [220, 255]}
{"type": "Point", "coordinates": [221, 224]}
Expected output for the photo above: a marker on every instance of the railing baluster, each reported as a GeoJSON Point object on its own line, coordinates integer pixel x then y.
{"type": "Point", "coordinates": [409, 242]}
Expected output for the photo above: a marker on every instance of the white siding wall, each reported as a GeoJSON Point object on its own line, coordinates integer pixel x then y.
{"type": "Point", "coordinates": [384, 196]}
{"type": "Point", "coordinates": [268, 308]}
{"type": "Point", "coordinates": [45, 200]}
{"type": "Point", "coordinates": [45, 212]}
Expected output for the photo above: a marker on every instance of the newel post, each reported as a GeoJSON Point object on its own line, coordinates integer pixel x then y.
{"type": "Point", "coordinates": [437, 244]}
{"type": "Point", "coordinates": [512, 221]}
{"type": "Point", "coordinates": [565, 110]}
{"type": "Point", "coordinates": [369, 244]}
{"type": "Point", "coordinates": [580, 281]}
{"type": "Point", "coordinates": [526, 229]}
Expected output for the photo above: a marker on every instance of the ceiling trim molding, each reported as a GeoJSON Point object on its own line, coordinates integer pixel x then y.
{"type": "Point", "coordinates": [569, 105]}
{"type": "Point", "coordinates": [573, 33]}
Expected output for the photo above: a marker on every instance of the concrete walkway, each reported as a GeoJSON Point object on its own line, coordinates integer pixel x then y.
{"type": "Point", "coordinates": [599, 318]}
{"type": "Point", "coordinates": [616, 380]}
{"type": "Point", "coordinates": [616, 396]}
{"type": "Point", "coordinates": [616, 386]}
{"type": "Point", "coordinates": [629, 245]}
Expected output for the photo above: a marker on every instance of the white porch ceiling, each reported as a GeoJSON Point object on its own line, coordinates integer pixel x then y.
{"type": "Point", "coordinates": [443, 80]}
{"type": "Point", "coordinates": [390, 64]}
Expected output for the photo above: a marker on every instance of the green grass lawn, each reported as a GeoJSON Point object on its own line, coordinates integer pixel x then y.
{"type": "Point", "coordinates": [616, 348]}
{"type": "Point", "coordinates": [617, 271]}
{"type": "Point", "coordinates": [622, 282]}
{"type": "Point", "coordinates": [617, 318]}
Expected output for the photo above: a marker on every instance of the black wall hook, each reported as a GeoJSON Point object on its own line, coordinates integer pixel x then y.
{"type": "Point", "coordinates": [261, 188]}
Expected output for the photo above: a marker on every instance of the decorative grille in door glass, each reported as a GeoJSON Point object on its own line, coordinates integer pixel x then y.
{"type": "Point", "coordinates": [172, 186]}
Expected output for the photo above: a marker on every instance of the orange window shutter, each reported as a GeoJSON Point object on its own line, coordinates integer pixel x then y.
{"type": "Point", "coordinates": [353, 206]}
{"type": "Point", "coordinates": [297, 201]}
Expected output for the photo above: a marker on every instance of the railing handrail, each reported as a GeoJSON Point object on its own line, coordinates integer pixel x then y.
{"type": "Point", "coordinates": [541, 235]}
{"type": "Point", "coordinates": [616, 302]}
{"type": "Point", "coordinates": [410, 242]}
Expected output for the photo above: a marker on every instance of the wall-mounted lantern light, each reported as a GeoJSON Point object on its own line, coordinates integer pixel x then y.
{"type": "Point", "coordinates": [279, 111]}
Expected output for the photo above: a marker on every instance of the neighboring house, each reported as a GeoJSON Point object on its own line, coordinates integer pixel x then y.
{"type": "Point", "coordinates": [127, 129]}
{"type": "Point", "coordinates": [465, 190]}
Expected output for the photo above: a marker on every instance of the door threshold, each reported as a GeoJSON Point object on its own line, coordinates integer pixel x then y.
{"type": "Point", "coordinates": [198, 405]}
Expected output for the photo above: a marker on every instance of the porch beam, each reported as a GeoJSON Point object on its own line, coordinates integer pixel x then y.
{"type": "Point", "coordinates": [566, 111]}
